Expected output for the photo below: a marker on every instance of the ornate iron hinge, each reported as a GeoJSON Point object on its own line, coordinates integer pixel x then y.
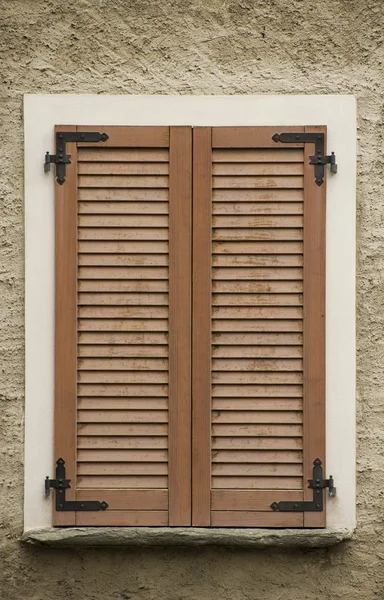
{"type": "Point", "coordinates": [60, 484]}
{"type": "Point", "coordinates": [319, 160]}
{"type": "Point", "coordinates": [317, 484]}
{"type": "Point", "coordinates": [61, 158]}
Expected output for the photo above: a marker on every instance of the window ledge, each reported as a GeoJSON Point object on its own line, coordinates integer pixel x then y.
{"type": "Point", "coordinates": [186, 536]}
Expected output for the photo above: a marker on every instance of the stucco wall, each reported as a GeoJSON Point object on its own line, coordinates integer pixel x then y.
{"type": "Point", "coordinates": [194, 47]}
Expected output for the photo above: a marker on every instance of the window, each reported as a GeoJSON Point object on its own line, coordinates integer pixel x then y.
{"type": "Point", "coordinates": [235, 267]}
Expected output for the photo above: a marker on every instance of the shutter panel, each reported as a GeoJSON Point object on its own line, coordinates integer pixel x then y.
{"type": "Point", "coordinates": [123, 287]}
{"type": "Point", "coordinates": [258, 327]}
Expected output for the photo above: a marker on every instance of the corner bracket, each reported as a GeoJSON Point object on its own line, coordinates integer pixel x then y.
{"type": "Point", "coordinates": [317, 484]}
{"type": "Point", "coordinates": [319, 159]}
{"type": "Point", "coordinates": [60, 484]}
{"type": "Point", "coordinates": [61, 158]}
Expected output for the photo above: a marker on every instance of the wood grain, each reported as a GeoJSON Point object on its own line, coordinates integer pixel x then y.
{"type": "Point", "coordinates": [65, 326]}
{"type": "Point", "coordinates": [180, 244]}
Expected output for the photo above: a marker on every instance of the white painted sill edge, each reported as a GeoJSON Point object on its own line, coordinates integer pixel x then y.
{"type": "Point", "coordinates": [185, 536]}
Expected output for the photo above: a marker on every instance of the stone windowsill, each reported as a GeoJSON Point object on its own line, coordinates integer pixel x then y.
{"type": "Point", "coordinates": [185, 536]}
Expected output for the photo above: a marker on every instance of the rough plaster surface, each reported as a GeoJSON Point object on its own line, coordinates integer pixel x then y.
{"type": "Point", "coordinates": [194, 47]}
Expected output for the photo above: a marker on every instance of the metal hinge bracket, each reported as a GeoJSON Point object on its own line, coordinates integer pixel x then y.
{"type": "Point", "coordinates": [61, 158]}
{"type": "Point", "coordinates": [319, 159]}
{"type": "Point", "coordinates": [317, 484]}
{"type": "Point", "coordinates": [60, 484]}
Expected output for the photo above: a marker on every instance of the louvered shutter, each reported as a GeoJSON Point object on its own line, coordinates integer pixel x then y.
{"type": "Point", "coordinates": [258, 327]}
{"type": "Point", "coordinates": [123, 312]}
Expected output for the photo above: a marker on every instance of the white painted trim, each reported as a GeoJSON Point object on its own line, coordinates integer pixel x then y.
{"type": "Point", "coordinates": [42, 112]}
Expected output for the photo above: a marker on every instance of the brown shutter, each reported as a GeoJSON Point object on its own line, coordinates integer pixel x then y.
{"type": "Point", "coordinates": [123, 287]}
{"type": "Point", "coordinates": [258, 327]}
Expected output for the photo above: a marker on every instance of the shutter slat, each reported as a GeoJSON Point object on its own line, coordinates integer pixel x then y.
{"type": "Point", "coordinates": [133, 208]}
{"type": "Point", "coordinates": [123, 194]}
{"type": "Point", "coordinates": [123, 168]}
{"type": "Point", "coordinates": [248, 208]}
{"type": "Point", "coordinates": [146, 155]}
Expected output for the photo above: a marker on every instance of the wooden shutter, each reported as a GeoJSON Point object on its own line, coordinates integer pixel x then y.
{"type": "Point", "coordinates": [123, 326]}
{"type": "Point", "coordinates": [258, 327]}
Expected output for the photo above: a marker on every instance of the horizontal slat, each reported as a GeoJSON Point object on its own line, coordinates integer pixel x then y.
{"type": "Point", "coordinates": [154, 221]}
{"type": "Point", "coordinates": [243, 325]}
{"type": "Point", "coordinates": [237, 500]}
{"type": "Point", "coordinates": [256, 391]}
{"type": "Point", "coordinates": [261, 155]}
{"type": "Point", "coordinates": [122, 482]}
{"type": "Point", "coordinates": [257, 195]}
{"type": "Point", "coordinates": [127, 247]}
{"type": "Point", "coordinates": [255, 416]}
{"type": "Point", "coordinates": [122, 416]}
{"type": "Point", "coordinates": [257, 404]}
{"type": "Point", "coordinates": [245, 260]}
{"type": "Point", "coordinates": [257, 443]}
{"type": "Point", "coordinates": [259, 208]}
{"type": "Point", "coordinates": [257, 300]}
{"type": "Point", "coordinates": [255, 233]}
{"type": "Point", "coordinates": [111, 286]}
{"type": "Point", "coordinates": [257, 351]}
{"type": "Point", "coordinates": [250, 273]}
{"type": "Point", "coordinates": [135, 168]}
{"type": "Point", "coordinates": [282, 483]}
{"type": "Point", "coordinates": [108, 390]}
{"type": "Point", "coordinates": [258, 339]}
{"type": "Point", "coordinates": [125, 338]}
{"type": "Point", "coordinates": [129, 500]}
{"type": "Point", "coordinates": [114, 468]}
{"type": "Point", "coordinates": [251, 137]}
{"type": "Point", "coordinates": [259, 430]}
{"type": "Point", "coordinates": [123, 429]}
{"type": "Point", "coordinates": [124, 377]}
{"type": "Point", "coordinates": [129, 136]}
{"type": "Point", "coordinates": [247, 377]}
{"type": "Point", "coordinates": [124, 194]}
{"type": "Point", "coordinates": [256, 456]}
{"type": "Point", "coordinates": [128, 312]}
{"type": "Point", "coordinates": [245, 312]}
{"type": "Point", "coordinates": [121, 442]}
{"type": "Point", "coordinates": [255, 470]}
{"type": "Point", "coordinates": [124, 154]}
{"type": "Point", "coordinates": [124, 208]}
{"type": "Point", "coordinates": [116, 233]}
{"type": "Point", "coordinates": [133, 260]}
{"type": "Point", "coordinates": [123, 325]}
{"type": "Point", "coordinates": [123, 273]}
{"type": "Point", "coordinates": [127, 518]}
{"type": "Point", "coordinates": [128, 181]}
{"type": "Point", "coordinates": [226, 221]}
{"type": "Point", "coordinates": [256, 168]}
{"type": "Point", "coordinates": [104, 351]}
{"type": "Point", "coordinates": [257, 247]}
{"type": "Point", "coordinates": [255, 182]}
{"type": "Point", "coordinates": [238, 364]}
{"type": "Point", "coordinates": [257, 287]}
{"type": "Point", "coordinates": [135, 299]}
{"type": "Point", "coordinates": [123, 364]}
{"type": "Point", "coordinates": [255, 519]}
{"type": "Point", "coordinates": [128, 456]}
{"type": "Point", "coordinates": [124, 403]}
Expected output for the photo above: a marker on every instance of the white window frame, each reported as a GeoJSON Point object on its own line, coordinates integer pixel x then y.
{"type": "Point", "coordinates": [43, 112]}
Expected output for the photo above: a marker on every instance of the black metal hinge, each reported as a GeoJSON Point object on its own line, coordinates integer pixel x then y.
{"type": "Point", "coordinates": [319, 160]}
{"type": "Point", "coordinates": [61, 158]}
{"type": "Point", "coordinates": [60, 484]}
{"type": "Point", "coordinates": [317, 484]}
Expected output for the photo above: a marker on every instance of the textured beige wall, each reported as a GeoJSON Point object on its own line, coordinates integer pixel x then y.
{"type": "Point", "coordinates": [194, 47]}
